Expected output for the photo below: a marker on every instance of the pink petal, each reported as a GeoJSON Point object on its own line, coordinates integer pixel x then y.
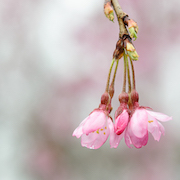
{"type": "Point", "coordinates": [139, 142]}
{"type": "Point", "coordinates": [153, 128]}
{"type": "Point", "coordinates": [114, 138]}
{"type": "Point", "coordinates": [130, 138]}
{"type": "Point", "coordinates": [95, 120]}
{"type": "Point", "coordinates": [121, 122]}
{"type": "Point", "coordinates": [161, 128]}
{"type": "Point", "coordinates": [88, 140]}
{"type": "Point", "coordinates": [159, 116]}
{"type": "Point", "coordinates": [127, 138]}
{"type": "Point", "coordinates": [95, 140]}
{"type": "Point", "coordinates": [139, 123]}
{"type": "Point", "coordinates": [78, 131]}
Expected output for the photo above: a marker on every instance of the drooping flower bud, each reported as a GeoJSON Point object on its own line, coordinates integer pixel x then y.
{"type": "Point", "coordinates": [121, 114]}
{"type": "Point", "coordinates": [108, 11]}
{"type": "Point", "coordinates": [121, 122]}
{"type": "Point", "coordinates": [123, 99]}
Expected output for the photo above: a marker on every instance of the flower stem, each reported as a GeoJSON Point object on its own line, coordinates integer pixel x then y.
{"type": "Point", "coordinates": [109, 75]}
{"type": "Point", "coordinates": [124, 81]}
{"type": "Point", "coordinates": [115, 71]}
{"type": "Point", "coordinates": [111, 87]}
{"type": "Point", "coordinates": [133, 74]}
{"type": "Point", "coordinates": [128, 73]}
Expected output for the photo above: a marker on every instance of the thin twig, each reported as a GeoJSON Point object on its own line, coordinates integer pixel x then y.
{"type": "Point", "coordinates": [120, 14]}
{"type": "Point", "coordinates": [115, 71]}
{"type": "Point", "coordinates": [133, 74]}
{"type": "Point", "coordinates": [124, 81]}
{"type": "Point", "coordinates": [128, 73]}
{"type": "Point", "coordinates": [109, 75]}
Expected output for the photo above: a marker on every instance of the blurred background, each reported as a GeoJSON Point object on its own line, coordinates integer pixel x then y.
{"type": "Point", "coordinates": [54, 60]}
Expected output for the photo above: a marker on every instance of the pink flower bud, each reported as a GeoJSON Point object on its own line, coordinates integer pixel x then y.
{"type": "Point", "coordinates": [121, 122]}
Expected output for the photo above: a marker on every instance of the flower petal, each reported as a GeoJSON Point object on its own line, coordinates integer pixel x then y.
{"type": "Point", "coordinates": [95, 140]}
{"type": "Point", "coordinates": [78, 131]}
{"type": "Point", "coordinates": [114, 138]}
{"type": "Point", "coordinates": [153, 128]}
{"type": "Point", "coordinates": [130, 138]}
{"type": "Point", "coordinates": [95, 120]}
{"type": "Point", "coordinates": [127, 138]}
{"type": "Point", "coordinates": [121, 122]}
{"type": "Point", "coordinates": [139, 142]}
{"type": "Point", "coordinates": [161, 128]}
{"type": "Point", "coordinates": [159, 116]}
{"type": "Point", "coordinates": [88, 140]}
{"type": "Point", "coordinates": [139, 123]}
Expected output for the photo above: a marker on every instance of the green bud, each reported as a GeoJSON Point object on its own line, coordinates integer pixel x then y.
{"type": "Point", "coordinates": [111, 16]}
{"type": "Point", "coordinates": [133, 55]}
{"type": "Point", "coordinates": [108, 11]}
{"type": "Point", "coordinates": [133, 33]}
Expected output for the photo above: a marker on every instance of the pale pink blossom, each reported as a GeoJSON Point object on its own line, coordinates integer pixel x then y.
{"type": "Point", "coordinates": [94, 130]}
{"type": "Point", "coordinates": [142, 122]}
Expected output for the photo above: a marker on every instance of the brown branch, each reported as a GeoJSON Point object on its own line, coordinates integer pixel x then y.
{"type": "Point", "coordinates": [120, 14]}
{"type": "Point", "coordinates": [106, 1]}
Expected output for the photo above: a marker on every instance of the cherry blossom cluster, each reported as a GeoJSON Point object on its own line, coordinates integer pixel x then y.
{"type": "Point", "coordinates": [132, 121]}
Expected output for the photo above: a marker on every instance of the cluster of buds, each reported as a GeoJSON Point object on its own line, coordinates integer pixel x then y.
{"type": "Point", "coordinates": [125, 43]}
{"type": "Point", "coordinates": [132, 121]}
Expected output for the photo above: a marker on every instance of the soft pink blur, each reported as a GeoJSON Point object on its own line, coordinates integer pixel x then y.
{"type": "Point", "coordinates": [55, 57]}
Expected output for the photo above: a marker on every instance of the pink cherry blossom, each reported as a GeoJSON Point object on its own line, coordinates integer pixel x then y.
{"type": "Point", "coordinates": [121, 122]}
{"type": "Point", "coordinates": [94, 130]}
{"type": "Point", "coordinates": [142, 122]}
{"type": "Point", "coordinates": [137, 130]}
{"type": "Point", "coordinates": [117, 133]}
